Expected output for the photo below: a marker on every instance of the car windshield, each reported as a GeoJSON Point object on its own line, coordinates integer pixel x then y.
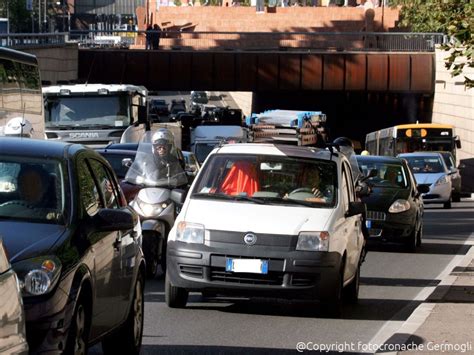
{"type": "Point", "coordinates": [425, 164]}
{"type": "Point", "coordinates": [31, 190]}
{"type": "Point", "coordinates": [115, 161]}
{"type": "Point", "coordinates": [269, 179]}
{"type": "Point", "coordinates": [389, 175]}
{"type": "Point", "coordinates": [84, 111]}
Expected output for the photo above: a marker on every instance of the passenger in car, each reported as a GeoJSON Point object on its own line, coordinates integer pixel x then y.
{"type": "Point", "coordinates": [32, 185]}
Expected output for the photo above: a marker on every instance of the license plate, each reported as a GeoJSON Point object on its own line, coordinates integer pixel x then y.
{"type": "Point", "coordinates": [254, 266]}
{"type": "Point", "coordinates": [368, 223]}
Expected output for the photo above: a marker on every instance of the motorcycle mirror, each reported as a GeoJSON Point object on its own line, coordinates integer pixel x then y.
{"type": "Point", "coordinates": [127, 162]}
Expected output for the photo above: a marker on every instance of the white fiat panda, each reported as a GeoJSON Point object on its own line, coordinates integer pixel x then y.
{"type": "Point", "coordinates": [268, 220]}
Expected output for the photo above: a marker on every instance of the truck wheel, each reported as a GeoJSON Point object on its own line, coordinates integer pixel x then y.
{"type": "Point", "coordinates": [128, 339]}
{"type": "Point", "coordinates": [175, 297]}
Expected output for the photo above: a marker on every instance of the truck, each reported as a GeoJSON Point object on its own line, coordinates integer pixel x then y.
{"type": "Point", "coordinates": [95, 114]}
{"type": "Point", "coordinates": [302, 128]}
{"type": "Point", "coordinates": [205, 138]}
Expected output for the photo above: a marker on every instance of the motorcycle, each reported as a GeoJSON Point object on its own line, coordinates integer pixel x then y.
{"type": "Point", "coordinates": [158, 200]}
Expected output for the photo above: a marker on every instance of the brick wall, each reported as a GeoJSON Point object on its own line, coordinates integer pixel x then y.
{"type": "Point", "coordinates": [288, 19]}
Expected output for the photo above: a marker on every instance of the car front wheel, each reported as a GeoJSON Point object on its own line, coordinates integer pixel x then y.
{"type": "Point", "coordinates": [78, 330]}
{"type": "Point", "coordinates": [175, 297]}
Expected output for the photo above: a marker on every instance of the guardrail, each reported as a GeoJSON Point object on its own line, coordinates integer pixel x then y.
{"type": "Point", "coordinates": [239, 41]}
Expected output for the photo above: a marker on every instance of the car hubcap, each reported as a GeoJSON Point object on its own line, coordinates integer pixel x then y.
{"type": "Point", "coordinates": [80, 345]}
{"type": "Point", "coordinates": [138, 312]}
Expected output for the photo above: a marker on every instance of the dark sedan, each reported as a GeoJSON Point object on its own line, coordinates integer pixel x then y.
{"type": "Point", "coordinates": [395, 206]}
{"type": "Point", "coordinates": [75, 246]}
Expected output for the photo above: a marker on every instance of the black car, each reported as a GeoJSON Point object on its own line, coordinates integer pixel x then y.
{"type": "Point", "coordinates": [158, 107]}
{"type": "Point", "coordinates": [75, 245]}
{"type": "Point", "coordinates": [395, 206]}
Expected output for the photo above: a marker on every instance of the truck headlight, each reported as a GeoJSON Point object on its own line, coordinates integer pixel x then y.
{"type": "Point", "coordinates": [38, 276]}
{"type": "Point", "coordinates": [190, 232]}
{"type": "Point", "coordinates": [442, 180]}
{"type": "Point", "coordinates": [313, 241]}
{"type": "Point", "coordinates": [399, 206]}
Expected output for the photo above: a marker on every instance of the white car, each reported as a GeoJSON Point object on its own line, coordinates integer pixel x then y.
{"type": "Point", "coordinates": [253, 223]}
{"type": "Point", "coordinates": [430, 170]}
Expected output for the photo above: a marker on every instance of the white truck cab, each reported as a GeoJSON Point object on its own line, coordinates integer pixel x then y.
{"type": "Point", "coordinates": [265, 219]}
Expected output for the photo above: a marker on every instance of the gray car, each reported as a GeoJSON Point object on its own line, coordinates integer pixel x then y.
{"type": "Point", "coordinates": [430, 169]}
{"type": "Point", "coordinates": [455, 175]}
{"type": "Point", "coordinates": [12, 325]}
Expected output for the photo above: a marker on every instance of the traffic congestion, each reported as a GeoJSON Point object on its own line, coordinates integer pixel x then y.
{"type": "Point", "coordinates": [132, 223]}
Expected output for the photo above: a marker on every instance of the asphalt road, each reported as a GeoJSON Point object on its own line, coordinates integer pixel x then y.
{"type": "Point", "coordinates": [393, 284]}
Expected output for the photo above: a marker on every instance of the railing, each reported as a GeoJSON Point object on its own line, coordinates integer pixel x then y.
{"type": "Point", "coordinates": [240, 41]}
{"type": "Point", "coordinates": [17, 40]}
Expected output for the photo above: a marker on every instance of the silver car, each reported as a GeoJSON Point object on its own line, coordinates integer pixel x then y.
{"type": "Point", "coordinates": [430, 169]}
{"type": "Point", "coordinates": [12, 324]}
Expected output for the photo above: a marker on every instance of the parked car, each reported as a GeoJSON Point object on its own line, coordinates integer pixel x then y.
{"type": "Point", "coordinates": [395, 206]}
{"type": "Point", "coordinates": [273, 234]}
{"type": "Point", "coordinates": [455, 175]}
{"type": "Point", "coordinates": [75, 245]}
{"type": "Point", "coordinates": [431, 171]}
{"type": "Point", "coordinates": [12, 326]}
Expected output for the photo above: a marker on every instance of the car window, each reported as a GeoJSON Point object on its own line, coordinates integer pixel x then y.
{"type": "Point", "coordinates": [350, 185]}
{"type": "Point", "coordinates": [345, 189]}
{"type": "Point", "coordinates": [89, 194]}
{"type": "Point", "coordinates": [106, 185]}
{"type": "Point", "coordinates": [448, 159]}
{"type": "Point", "coordinates": [282, 179]}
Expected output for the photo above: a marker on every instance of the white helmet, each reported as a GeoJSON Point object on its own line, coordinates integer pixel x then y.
{"type": "Point", "coordinates": [19, 127]}
{"type": "Point", "coordinates": [163, 136]}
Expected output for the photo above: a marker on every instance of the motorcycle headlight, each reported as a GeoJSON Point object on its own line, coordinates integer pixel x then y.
{"type": "Point", "coordinates": [442, 180]}
{"type": "Point", "coordinates": [38, 276]}
{"type": "Point", "coordinates": [313, 241]}
{"type": "Point", "coordinates": [190, 232]}
{"type": "Point", "coordinates": [146, 209]}
{"type": "Point", "coordinates": [399, 206]}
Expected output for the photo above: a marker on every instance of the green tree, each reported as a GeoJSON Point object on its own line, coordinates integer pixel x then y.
{"type": "Point", "coordinates": [452, 17]}
{"type": "Point", "coordinates": [20, 20]}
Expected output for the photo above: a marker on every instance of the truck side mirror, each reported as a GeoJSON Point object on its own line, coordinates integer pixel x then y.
{"type": "Point", "coordinates": [458, 142]}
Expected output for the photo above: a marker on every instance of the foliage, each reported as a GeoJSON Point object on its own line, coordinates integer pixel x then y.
{"type": "Point", "coordinates": [20, 19]}
{"type": "Point", "coordinates": [454, 18]}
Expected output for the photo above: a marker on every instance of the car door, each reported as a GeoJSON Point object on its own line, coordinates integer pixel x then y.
{"type": "Point", "coordinates": [352, 227]}
{"type": "Point", "coordinates": [122, 243]}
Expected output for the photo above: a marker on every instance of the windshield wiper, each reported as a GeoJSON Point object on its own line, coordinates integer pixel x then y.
{"type": "Point", "coordinates": [229, 197]}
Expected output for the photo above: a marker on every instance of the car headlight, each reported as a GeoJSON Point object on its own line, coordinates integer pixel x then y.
{"type": "Point", "coordinates": [313, 241]}
{"type": "Point", "coordinates": [190, 232]}
{"type": "Point", "coordinates": [442, 180]}
{"type": "Point", "coordinates": [38, 276]}
{"type": "Point", "coordinates": [399, 206]}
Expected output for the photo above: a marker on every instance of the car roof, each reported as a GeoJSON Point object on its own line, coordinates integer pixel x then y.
{"type": "Point", "coordinates": [39, 148]}
{"type": "Point", "coordinates": [420, 154]}
{"type": "Point", "coordinates": [379, 158]}
{"type": "Point", "coordinates": [278, 150]}
{"type": "Point", "coordinates": [122, 152]}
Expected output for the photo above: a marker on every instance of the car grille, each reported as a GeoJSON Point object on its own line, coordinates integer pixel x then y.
{"type": "Point", "coordinates": [192, 271]}
{"type": "Point", "coordinates": [219, 274]}
{"type": "Point", "coordinates": [376, 215]}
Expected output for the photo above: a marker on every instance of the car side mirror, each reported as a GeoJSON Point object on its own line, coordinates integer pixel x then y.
{"type": "Point", "coordinates": [462, 166]}
{"type": "Point", "coordinates": [108, 219]}
{"type": "Point", "coordinates": [178, 196]}
{"type": "Point", "coordinates": [356, 208]}
{"type": "Point", "coordinates": [127, 162]}
{"type": "Point", "coordinates": [363, 190]}
{"type": "Point", "coordinates": [423, 189]}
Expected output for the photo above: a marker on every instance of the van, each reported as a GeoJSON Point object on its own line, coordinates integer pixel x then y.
{"type": "Point", "coordinates": [268, 220]}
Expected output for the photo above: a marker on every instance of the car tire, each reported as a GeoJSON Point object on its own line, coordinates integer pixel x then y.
{"type": "Point", "coordinates": [351, 291]}
{"type": "Point", "coordinates": [175, 297]}
{"type": "Point", "coordinates": [333, 307]}
{"type": "Point", "coordinates": [150, 251]}
{"type": "Point", "coordinates": [128, 339]}
{"type": "Point", "coordinates": [412, 241]}
{"type": "Point", "coordinates": [447, 204]}
{"type": "Point", "coordinates": [78, 335]}
{"type": "Point", "coordinates": [419, 236]}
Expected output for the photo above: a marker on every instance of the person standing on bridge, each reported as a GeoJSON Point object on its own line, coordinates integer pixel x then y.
{"type": "Point", "coordinates": [148, 36]}
{"type": "Point", "coordinates": [155, 37]}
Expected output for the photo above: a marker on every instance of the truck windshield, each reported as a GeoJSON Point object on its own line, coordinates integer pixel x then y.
{"type": "Point", "coordinates": [106, 111]}
{"type": "Point", "coordinates": [273, 179]}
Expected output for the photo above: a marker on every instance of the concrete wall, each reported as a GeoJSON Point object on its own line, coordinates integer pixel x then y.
{"type": "Point", "coordinates": [454, 104]}
{"type": "Point", "coordinates": [57, 63]}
